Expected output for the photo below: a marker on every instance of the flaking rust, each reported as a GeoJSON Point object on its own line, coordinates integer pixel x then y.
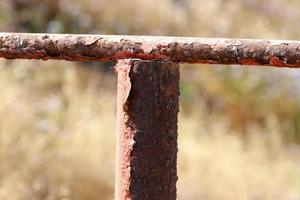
{"type": "Point", "coordinates": [147, 111]}
{"type": "Point", "coordinates": [181, 50]}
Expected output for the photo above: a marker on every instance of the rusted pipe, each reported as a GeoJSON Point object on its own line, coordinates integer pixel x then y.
{"type": "Point", "coordinates": [147, 111]}
{"type": "Point", "coordinates": [113, 48]}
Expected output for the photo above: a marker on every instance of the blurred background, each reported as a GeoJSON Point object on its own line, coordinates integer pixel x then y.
{"type": "Point", "coordinates": [239, 127]}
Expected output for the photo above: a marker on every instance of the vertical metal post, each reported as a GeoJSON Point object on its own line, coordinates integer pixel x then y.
{"type": "Point", "coordinates": [147, 112]}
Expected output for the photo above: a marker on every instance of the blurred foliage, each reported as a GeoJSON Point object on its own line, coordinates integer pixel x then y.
{"type": "Point", "coordinates": [57, 125]}
{"type": "Point", "coordinates": [243, 96]}
{"type": "Point", "coordinates": [70, 101]}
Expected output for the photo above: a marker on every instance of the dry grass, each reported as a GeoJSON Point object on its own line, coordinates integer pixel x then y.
{"type": "Point", "coordinates": [57, 123]}
{"type": "Point", "coordinates": [216, 165]}
{"type": "Point", "coordinates": [57, 142]}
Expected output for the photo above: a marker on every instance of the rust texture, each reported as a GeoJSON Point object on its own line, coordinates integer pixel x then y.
{"type": "Point", "coordinates": [113, 48]}
{"type": "Point", "coordinates": [147, 110]}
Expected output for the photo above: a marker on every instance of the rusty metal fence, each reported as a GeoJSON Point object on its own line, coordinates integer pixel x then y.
{"type": "Point", "coordinates": [148, 92]}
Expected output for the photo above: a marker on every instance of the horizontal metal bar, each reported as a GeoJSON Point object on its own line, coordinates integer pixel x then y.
{"type": "Point", "coordinates": [112, 48]}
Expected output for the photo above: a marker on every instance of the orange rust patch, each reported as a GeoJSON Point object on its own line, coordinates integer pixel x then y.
{"type": "Point", "coordinates": [277, 62]}
{"type": "Point", "coordinates": [248, 62]}
{"type": "Point", "coordinates": [151, 56]}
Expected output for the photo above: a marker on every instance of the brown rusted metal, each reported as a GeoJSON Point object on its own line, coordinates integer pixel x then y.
{"type": "Point", "coordinates": [147, 111]}
{"type": "Point", "coordinates": [113, 48]}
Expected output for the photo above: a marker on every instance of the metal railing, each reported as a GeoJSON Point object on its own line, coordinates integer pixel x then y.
{"type": "Point", "coordinates": [148, 92]}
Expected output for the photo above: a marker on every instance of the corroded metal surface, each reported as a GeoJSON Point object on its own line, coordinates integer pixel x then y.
{"type": "Point", "coordinates": [147, 111]}
{"type": "Point", "coordinates": [113, 48]}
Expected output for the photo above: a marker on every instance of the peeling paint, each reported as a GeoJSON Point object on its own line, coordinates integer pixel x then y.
{"type": "Point", "coordinates": [125, 135]}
